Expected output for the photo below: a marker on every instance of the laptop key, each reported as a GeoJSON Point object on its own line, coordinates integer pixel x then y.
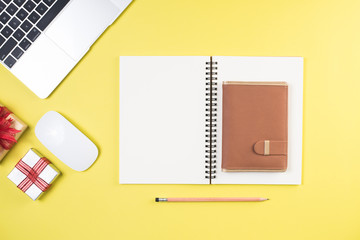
{"type": "Point", "coordinates": [49, 2]}
{"type": "Point", "coordinates": [41, 8]}
{"type": "Point", "coordinates": [25, 44]}
{"type": "Point", "coordinates": [7, 1]}
{"type": "Point", "coordinates": [26, 26]}
{"type": "Point", "coordinates": [4, 17]}
{"type": "Point", "coordinates": [51, 14]}
{"type": "Point", "coordinates": [19, 3]}
{"type": "Point", "coordinates": [18, 35]}
{"type": "Point", "coordinates": [29, 5]}
{"type": "Point", "coordinates": [33, 34]}
{"type": "Point", "coordinates": [11, 9]}
{"type": "Point", "coordinates": [34, 17]}
{"type": "Point", "coordinates": [14, 23]}
{"type": "Point", "coordinates": [7, 48]}
{"type": "Point", "coordinates": [17, 53]}
{"type": "Point", "coordinates": [2, 40]}
{"type": "Point", "coordinates": [10, 61]}
{"type": "Point", "coordinates": [37, 1]}
{"type": "Point", "coordinates": [6, 32]}
{"type": "Point", "coordinates": [22, 14]}
{"type": "Point", "coordinates": [2, 6]}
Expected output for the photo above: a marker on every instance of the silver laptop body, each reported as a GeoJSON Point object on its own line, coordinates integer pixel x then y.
{"type": "Point", "coordinates": [42, 40]}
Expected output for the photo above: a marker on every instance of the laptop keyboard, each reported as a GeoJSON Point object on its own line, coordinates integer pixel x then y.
{"type": "Point", "coordinates": [21, 23]}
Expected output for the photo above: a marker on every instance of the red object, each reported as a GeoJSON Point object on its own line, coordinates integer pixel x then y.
{"type": "Point", "coordinates": [7, 133]}
{"type": "Point", "coordinates": [32, 175]}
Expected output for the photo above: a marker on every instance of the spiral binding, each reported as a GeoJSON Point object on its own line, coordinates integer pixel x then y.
{"type": "Point", "coordinates": [211, 119]}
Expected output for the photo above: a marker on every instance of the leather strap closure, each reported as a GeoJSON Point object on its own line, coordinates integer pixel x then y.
{"type": "Point", "coordinates": [270, 147]}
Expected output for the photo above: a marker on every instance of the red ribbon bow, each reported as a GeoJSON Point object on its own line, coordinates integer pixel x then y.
{"type": "Point", "coordinates": [32, 175]}
{"type": "Point", "coordinates": [7, 133]}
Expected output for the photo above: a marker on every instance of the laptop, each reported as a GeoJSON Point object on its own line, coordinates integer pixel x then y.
{"type": "Point", "coordinates": [41, 41]}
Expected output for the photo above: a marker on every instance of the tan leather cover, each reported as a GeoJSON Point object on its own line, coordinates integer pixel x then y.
{"type": "Point", "coordinates": [255, 123]}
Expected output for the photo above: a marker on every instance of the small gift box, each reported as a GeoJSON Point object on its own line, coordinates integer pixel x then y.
{"type": "Point", "coordinates": [11, 128]}
{"type": "Point", "coordinates": [33, 174]}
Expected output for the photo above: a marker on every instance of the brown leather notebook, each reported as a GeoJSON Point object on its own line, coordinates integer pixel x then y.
{"type": "Point", "coordinates": [255, 126]}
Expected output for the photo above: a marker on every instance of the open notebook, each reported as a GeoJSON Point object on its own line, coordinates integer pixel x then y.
{"type": "Point", "coordinates": [165, 108]}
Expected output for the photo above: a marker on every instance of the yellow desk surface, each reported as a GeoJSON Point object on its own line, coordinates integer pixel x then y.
{"type": "Point", "coordinates": [93, 205]}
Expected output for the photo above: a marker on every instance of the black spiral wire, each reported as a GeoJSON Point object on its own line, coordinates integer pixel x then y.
{"type": "Point", "coordinates": [211, 119]}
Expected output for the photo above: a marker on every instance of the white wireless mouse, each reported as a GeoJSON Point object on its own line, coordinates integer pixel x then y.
{"type": "Point", "coordinates": [65, 141]}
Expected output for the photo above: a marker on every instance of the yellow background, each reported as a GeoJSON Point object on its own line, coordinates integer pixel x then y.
{"type": "Point", "coordinates": [92, 204]}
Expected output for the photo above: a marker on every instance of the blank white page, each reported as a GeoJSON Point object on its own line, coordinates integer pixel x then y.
{"type": "Point", "coordinates": [162, 120]}
{"type": "Point", "coordinates": [288, 69]}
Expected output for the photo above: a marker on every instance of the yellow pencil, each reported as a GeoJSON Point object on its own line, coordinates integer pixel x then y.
{"type": "Point", "coordinates": [211, 199]}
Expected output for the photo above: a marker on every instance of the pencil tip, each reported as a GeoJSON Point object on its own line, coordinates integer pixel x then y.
{"type": "Point", "coordinates": [268, 199]}
{"type": "Point", "coordinates": [156, 199]}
